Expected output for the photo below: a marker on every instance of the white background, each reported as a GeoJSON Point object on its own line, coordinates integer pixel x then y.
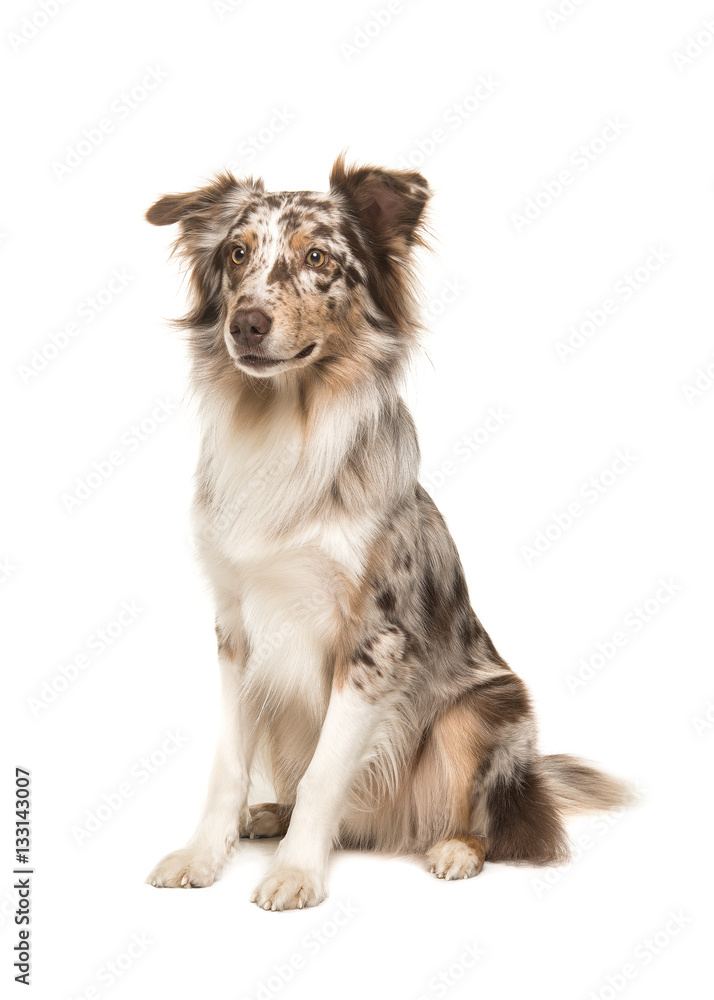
{"type": "Point", "coordinates": [66, 575]}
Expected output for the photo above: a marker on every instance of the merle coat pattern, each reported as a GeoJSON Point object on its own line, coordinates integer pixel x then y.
{"type": "Point", "coordinates": [353, 666]}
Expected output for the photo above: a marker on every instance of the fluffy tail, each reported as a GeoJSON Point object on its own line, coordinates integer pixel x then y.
{"type": "Point", "coordinates": [578, 787]}
{"type": "Point", "coordinates": [520, 798]}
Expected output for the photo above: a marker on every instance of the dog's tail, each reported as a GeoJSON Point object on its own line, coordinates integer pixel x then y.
{"type": "Point", "coordinates": [578, 787]}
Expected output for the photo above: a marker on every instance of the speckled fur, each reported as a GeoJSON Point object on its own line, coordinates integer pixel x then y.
{"type": "Point", "coordinates": [334, 574]}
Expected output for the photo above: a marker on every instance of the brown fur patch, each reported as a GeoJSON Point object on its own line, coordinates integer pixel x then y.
{"type": "Point", "coordinates": [389, 206]}
{"type": "Point", "coordinates": [523, 820]}
{"type": "Point", "coordinates": [501, 699]}
{"type": "Point", "coordinates": [454, 748]}
{"type": "Point", "coordinates": [268, 819]}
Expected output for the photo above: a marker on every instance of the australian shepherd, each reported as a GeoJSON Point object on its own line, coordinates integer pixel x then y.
{"type": "Point", "coordinates": [353, 667]}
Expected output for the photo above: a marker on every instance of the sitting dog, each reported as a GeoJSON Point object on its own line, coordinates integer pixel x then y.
{"type": "Point", "coordinates": [352, 664]}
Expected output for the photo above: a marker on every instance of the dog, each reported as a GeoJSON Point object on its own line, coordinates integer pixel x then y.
{"type": "Point", "coordinates": [352, 665]}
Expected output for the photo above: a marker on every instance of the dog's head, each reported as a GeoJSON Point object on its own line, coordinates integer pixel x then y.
{"type": "Point", "coordinates": [284, 281]}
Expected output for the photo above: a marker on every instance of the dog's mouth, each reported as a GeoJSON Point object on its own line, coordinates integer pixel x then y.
{"type": "Point", "coordinates": [262, 361]}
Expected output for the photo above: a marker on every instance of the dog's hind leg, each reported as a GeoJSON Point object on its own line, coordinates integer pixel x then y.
{"type": "Point", "coordinates": [482, 765]}
{"type": "Point", "coordinates": [268, 819]}
{"type": "Point", "coordinates": [461, 856]}
{"type": "Point", "coordinates": [442, 792]}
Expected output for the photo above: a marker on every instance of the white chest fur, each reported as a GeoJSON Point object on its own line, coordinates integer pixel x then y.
{"type": "Point", "coordinates": [276, 556]}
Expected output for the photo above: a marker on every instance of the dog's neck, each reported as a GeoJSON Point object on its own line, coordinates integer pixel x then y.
{"type": "Point", "coordinates": [286, 444]}
{"type": "Point", "coordinates": [336, 391]}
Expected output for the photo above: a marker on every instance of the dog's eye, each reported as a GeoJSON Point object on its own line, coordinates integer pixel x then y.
{"type": "Point", "coordinates": [238, 255]}
{"type": "Point", "coordinates": [315, 258]}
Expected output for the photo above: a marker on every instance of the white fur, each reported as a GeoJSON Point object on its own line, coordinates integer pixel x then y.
{"type": "Point", "coordinates": [452, 859]}
{"type": "Point", "coordinates": [297, 876]}
{"type": "Point", "coordinates": [278, 600]}
{"type": "Point", "coordinates": [201, 861]}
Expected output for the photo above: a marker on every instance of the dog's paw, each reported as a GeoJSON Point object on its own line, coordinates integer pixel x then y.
{"type": "Point", "coordinates": [185, 869]}
{"type": "Point", "coordinates": [269, 819]}
{"type": "Point", "coordinates": [451, 859]}
{"type": "Point", "coordinates": [289, 889]}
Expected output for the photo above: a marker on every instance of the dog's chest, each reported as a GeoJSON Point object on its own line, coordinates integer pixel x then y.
{"type": "Point", "coordinates": [280, 557]}
{"type": "Point", "coordinates": [281, 569]}
{"type": "Point", "coordinates": [264, 495]}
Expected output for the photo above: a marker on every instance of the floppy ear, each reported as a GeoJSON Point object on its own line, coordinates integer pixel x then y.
{"type": "Point", "coordinates": [389, 207]}
{"type": "Point", "coordinates": [389, 203]}
{"type": "Point", "coordinates": [205, 216]}
{"type": "Point", "coordinates": [179, 207]}
{"type": "Point", "coordinates": [169, 209]}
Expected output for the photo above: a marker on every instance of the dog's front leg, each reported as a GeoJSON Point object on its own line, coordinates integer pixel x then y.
{"type": "Point", "coordinates": [362, 693]}
{"type": "Point", "coordinates": [199, 863]}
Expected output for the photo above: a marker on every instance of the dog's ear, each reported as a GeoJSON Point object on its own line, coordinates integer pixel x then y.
{"type": "Point", "coordinates": [388, 206]}
{"type": "Point", "coordinates": [174, 208]}
{"type": "Point", "coordinates": [205, 218]}
{"type": "Point", "coordinates": [389, 203]}
{"type": "Point", "coordinates": [169, 209]}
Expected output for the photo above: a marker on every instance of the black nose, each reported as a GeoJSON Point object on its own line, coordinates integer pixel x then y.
{"type": "Point", "coordinates": [250, 325]}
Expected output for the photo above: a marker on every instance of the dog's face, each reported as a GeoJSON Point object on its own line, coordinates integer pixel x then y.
{"type": "Point", "coordinates": [293, 279]}
{"type": "Point", "coordinates": [289, 276]}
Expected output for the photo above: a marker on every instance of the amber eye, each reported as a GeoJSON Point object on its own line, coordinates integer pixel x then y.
{"type": "Point", "coordinates": [315, 258]}
{"type": "Point", "coordinates": [238, 255]}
